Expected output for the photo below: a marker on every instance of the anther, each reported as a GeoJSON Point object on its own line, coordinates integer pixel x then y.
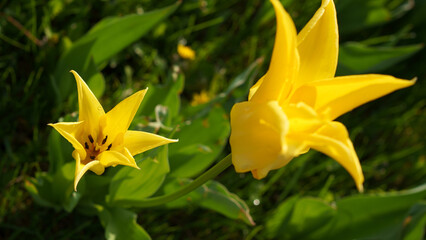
{"type": "Point", "coordinates": [92, 157]}
{"type": "Point", "coordinates": [105, 139]}
{"type": "Point", "coordinates": [109, 147]}
{"type": "Point", "coordinates": [90, 138]}
{"type": "Point", "coordinates": [86, 145]}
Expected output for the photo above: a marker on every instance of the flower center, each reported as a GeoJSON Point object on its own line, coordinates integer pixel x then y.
{"type": "Point", "coordinates": [93, 149]}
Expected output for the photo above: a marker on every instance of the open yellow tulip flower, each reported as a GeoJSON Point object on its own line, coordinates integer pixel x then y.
{"type": "Point", "coordinates": [102, 139]}
{"type": "Point", "coordinates": [292, 107]}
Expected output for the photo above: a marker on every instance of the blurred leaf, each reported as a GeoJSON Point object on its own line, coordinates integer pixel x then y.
{"type": "Point", "coordinates": [213, 196]}
{"type": "Point", "coordinates": [356, 217]}
{"type": "Point", "coordinates": [167, 95]}
{"type": "Point", "coordinates": [133, 184]}
{"type": "Point", "coordinates": [103, 41]}
{"type": "Point", "coordinates": [357, 58]}
{"type": "Point", "coordinates": [200, 143]}
{"type": "Point", "coordinates": [356, 15]}
{"type": "Point", "coordinates": [57, 148]}
{"type": "Point", "coordinates": [96, 81]}
{"type": "Point", "coordinates": [56, 190]}
{"type": "Point", "coordinates": [120, 223]}
{"type": "Point", "coordinates": [414, 223]}
{"type": "Point", "coordinates": [238, 87]}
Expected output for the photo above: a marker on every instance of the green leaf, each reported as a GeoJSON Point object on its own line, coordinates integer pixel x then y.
{"type": "Point", "coordinates": [213, 196]}
{"type": "Point", "coordinates": [375, 216]}
{"type": "Point", "coordinates": [413, 226]}
{"type": "Point", "coordinates": [120, 223]}
{"type": "Point", "coordinates": [167, 95]}
{"type": "Point", "coordinates": [238, 87]}
{"type": "Point", "coordinates": [200, 143]}
{"type": "Point", "coordinates": [56, 190]}
{"type": "Point", "coordinates": [103, 41]}
{"type": "Point", "coordinates": [356, 15]}
{"type": "Point", "coordinates": [58, 148]}
{"type": "Point", "coordinates": [133, 184]}
{"type": "Point", "coordinates": [357, 58]}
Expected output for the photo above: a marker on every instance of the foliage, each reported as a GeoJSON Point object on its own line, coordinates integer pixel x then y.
{"type": "Point", "coordinates": [120, 47]}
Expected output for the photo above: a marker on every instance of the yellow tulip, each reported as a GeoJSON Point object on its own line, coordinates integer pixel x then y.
{"type": "Point", "coordinates": [102, 139]}
{"type": "Point", "coordinates": [292, 107]}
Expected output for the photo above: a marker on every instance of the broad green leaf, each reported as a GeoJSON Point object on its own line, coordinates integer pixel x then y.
{"type": "Point", "coordinates": [96, 80]}
{"type": "Point", "coordinates": [213, 196]}
{"type": "Point", "coordinates": [56, 190]}
{"type": "Point", "coordinates": [120, 223]}
{"type": "Point", "coordinates": [357, 58]}
{"type": "Point", "coordinates": [413, 226]}
{"type": "Point", "coordinates": [133, 184]}
{"type": "Point", "coordinates": [103, 41]}
{"type": "Point", "coordinates": [200, 143]}
{"type": "Point", "coordinates": [57, 148]}
{"type": "Point", "coordinates": [375, 216]}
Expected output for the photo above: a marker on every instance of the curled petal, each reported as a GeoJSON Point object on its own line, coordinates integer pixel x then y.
{"type": "Point", "coordinates": [333, 140]}
{"type": "Point", "coordinates": [138, 141]}
{"type": "Point", "coordinates": [318, 45]}
{"type": "Point", "coordinates": [258, 137]}
{"type": "Point", "coordinates": [284, 62]}
{"type": "Point", "coordinates": [80, 169]}
{"type": "Point", "coordinates": [339, 95]}
{"type": "Point", "coordinates": [69, 131]}
{"type": "Point", "coordinates": [114, 158]}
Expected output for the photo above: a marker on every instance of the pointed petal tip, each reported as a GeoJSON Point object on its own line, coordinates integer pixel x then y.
{"type": "Point", "coordinates": [360, 187]}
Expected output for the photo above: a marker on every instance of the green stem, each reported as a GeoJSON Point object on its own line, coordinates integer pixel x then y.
{"type": "Point", "coordinates": [160, 200]}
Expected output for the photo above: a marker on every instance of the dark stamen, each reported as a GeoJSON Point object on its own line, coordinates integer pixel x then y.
{"type": "Point", "coordinates": [86, 145]}
{"type": "Point", "coordinates": [109, 147]}
{"type": "Point", "coordinates": [105, 139]}
{"type": "Point", "coordinates": [90, 138]}
{"type": "Point", "coordinates": [92, 157]}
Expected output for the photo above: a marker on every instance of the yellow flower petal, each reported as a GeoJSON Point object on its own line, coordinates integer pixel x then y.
{"type": "Point", "coordinates": [81, 169]}
{"type": "Point", "coordinates": [254, 88]}
{"type": "Point", "coordinates": [90, 110]}
{"type": "Point", "coordinates": [333, 140]}
{"type": "Point", "coordinates": [185, 52]}
{"type": "Point", "coordinates": [70, 130]}
{"type": "Point", "coordinates": [114, 158]}
{"type": "Point", "coordinates": [137, 142]}
{"type": "Point", "coordinates": [258, 137]}
{"type": "Point", "coordinates": [318, 45]}
{"type": "Point", "coordinates": [284, 62]}
{"type": "Point", "coordinates": [342, 94]}
{"type": "Point", "coordinates": [119, 118]}
{"type": "Point", "coordinates": [302, 118]}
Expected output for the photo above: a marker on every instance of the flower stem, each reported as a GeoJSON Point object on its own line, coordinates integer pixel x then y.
{"type": "Point", "coordinates": [160, 200]}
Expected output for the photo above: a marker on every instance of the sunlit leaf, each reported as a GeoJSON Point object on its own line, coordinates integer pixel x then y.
{"type": "Point", "coordinates": [200, 143]}
{"type": "Point", "coordinates": [356, 217]}
{"type": "Point", "coordinates": [213, 196]}
{"type": "Point", "coordinates": [133, 184]}
{"type": "Point", "coordinates": [120, 223]}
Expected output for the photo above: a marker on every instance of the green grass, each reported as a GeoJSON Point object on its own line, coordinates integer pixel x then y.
{"type": "Point", "coordinates": [227, 36]}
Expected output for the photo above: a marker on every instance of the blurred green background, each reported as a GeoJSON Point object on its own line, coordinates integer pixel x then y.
{"type": "Point", "coordinates": [229, 37]}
